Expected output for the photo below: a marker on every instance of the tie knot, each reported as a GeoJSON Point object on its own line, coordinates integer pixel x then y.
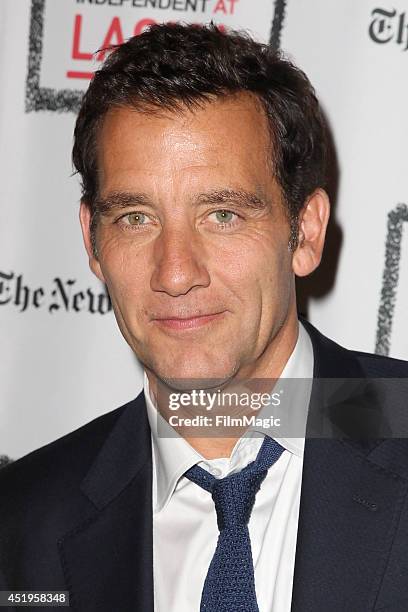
{"type": "Point", "coordinates": [234, 498]}
{"type": "Point", "coordinates": [234, 495]}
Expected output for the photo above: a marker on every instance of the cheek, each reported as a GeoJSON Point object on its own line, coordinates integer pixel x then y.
{"type": "Point", "coordinates": [258, 268]}
{"type": "Point", "coordinates": [124, 267]}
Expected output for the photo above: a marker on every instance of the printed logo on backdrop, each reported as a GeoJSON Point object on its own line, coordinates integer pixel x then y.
{"type": "Point", "coordinates": [60, 296]}
{"type": "Point", "coordinates": [389, 26]}
{"type": "Point", "coordinates": [65, 37]}
{"type": "Point", "coordinates": [397, 219]}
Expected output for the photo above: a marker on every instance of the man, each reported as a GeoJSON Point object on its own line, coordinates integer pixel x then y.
{"type": "Point", "coordinates": [202, 157]}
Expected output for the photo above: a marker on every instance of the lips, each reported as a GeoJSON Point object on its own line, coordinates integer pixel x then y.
{"type": "Point", "coordinates": [191, 322]}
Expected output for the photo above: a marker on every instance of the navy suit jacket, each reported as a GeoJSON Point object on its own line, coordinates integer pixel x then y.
{"type": "Point", "coordinates": [76, 515]}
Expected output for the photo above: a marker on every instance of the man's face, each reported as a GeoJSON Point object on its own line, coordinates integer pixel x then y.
{"type": "Point", "coordinates": [192, 240]}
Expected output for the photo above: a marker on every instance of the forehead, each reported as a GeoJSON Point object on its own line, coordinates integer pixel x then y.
{"type": "Point", "coordinates": [224, 136]}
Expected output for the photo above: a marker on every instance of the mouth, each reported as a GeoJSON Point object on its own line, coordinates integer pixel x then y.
{"type": "Point", "coordinates": [185, 323]}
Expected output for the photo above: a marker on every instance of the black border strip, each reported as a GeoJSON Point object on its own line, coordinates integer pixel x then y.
{"type": "Point", "coordinates": [277, 24]}
{"type": "Point", "coordinates": [67, 100]}
{"type": "Point", "coordinates": [396, 218]}
{"type": "Point", "coordinates": [44, 98]}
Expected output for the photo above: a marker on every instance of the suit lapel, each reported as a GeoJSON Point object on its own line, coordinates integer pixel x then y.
{"type": "Point", "coordinates": [107, 560]}
{"type": "Point", "coordinates": [349, 509]}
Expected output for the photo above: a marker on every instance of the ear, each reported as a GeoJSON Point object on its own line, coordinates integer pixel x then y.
{"type": "Point", "coordinates": [313, 220]}
{"type": "Point", "coordinates": [85, 220]}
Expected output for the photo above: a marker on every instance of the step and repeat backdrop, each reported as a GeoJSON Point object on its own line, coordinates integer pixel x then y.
{"type": "Point", "coordinates": [62, 359]}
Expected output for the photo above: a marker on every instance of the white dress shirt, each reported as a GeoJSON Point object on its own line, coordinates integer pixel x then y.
{"type": "Point", "coordinates": [185, 528]}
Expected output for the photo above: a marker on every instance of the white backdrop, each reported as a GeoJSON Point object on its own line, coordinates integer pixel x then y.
{"type": "Point", "coordinates": [62, 359]}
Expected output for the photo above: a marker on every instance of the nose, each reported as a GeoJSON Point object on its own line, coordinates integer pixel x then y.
{"type": "Point", "coordinates": [179, 262]}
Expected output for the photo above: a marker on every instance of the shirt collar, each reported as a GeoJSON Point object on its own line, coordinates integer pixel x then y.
{"type": "Point", "coordinates": [173, 456]}
{"type": "Point", "coordinates": [299, 365]}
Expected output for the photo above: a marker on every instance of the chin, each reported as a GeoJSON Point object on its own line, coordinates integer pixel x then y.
{"type": "Point", "coordinates": [187, 376]}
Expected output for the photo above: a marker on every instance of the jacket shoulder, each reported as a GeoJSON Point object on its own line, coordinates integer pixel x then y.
{"type": "Point", "coordinates": [336, 361]}
{"type": "Point", "coordinates": [42, 500]}
{"type": "Point", "coordinates": [72, 449]}
{"type": "Point", "coordinates": [381, 366]}
{"type": "Point", "coordinates": [50, 476]}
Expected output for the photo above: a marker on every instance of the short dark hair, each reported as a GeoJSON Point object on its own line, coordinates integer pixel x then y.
{"type": "Point", "coordinates": [174, 65]}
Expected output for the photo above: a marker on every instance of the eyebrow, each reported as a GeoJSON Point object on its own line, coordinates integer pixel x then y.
{"type": "Point", "coordinates": [120, 199]}
{"type": "Point", "coordinates": [240, 197]}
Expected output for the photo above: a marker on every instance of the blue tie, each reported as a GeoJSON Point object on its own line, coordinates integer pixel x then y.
{"type": "Point", "coordinates": [230, 583]}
